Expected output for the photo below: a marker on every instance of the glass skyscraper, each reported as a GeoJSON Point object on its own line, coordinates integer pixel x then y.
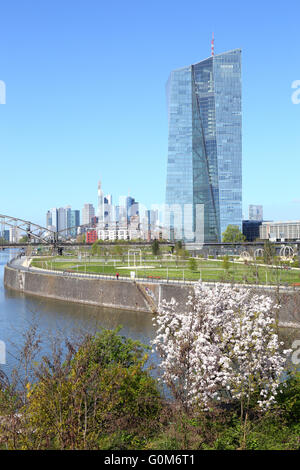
{"type": "Point", "coordinates": [204, 172]}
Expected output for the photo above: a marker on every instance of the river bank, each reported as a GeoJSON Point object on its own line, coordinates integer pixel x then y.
{"type": "Point", "coordinates": [125, 294]}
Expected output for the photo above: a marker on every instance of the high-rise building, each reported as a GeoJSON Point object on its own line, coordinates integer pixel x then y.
{"type": "Point", "coordinates": [63, 219]}
{"type": "Point", "coordinates": [130, 204]}
{"type": "Point", "coordinates": [100, 208]}
{"type": "Point", "coordinates": [74, 222]}
{"type": "Point", "coordinates": [52, 219]}
{"type": "Point", "coordinates": [204, 171]}
{"type": "Point", "coordinates": [255, 212]}
{"type": "Point", "coordinates": [87, 213]}
{"type": "Point", "coordinates": [108, 212]}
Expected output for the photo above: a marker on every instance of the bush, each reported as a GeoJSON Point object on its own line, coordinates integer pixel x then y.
{"type": "Point", "coordinates": [100, 395]}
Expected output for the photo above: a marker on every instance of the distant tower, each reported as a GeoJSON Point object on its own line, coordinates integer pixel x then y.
{"type": "Point", "coordinates": [100, 210]}
{"type": "Point", "coordinates": [88, 212]}
{"type": "Point", "coordinates": [213, 45]}
{"type": "Point", "coordinates": [255, 212]}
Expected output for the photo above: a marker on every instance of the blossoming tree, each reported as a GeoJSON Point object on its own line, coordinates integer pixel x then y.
{"type": "Point", "coordinates": [226, 342]}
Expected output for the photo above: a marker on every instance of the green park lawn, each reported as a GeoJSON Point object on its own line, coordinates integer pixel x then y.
{"type": "Point", "coordinates": [207, 270]}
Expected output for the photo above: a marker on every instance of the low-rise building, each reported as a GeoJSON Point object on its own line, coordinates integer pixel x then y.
{"type": "Point", "coordinates": [280, 231]}
{"type": "Point", "coordinates": [91, 236]}
{"type": "Point", "coordinates": [251, 229]}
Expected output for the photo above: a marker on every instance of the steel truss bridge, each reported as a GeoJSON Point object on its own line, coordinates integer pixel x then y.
{"type": "Point", "coordinates": [36, 233]}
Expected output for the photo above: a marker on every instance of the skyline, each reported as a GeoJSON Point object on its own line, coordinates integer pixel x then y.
{"type": "Point", "coordinates": [85, 96]}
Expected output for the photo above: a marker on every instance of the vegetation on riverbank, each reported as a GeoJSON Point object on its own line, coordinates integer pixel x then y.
{"type": "Point", "coordinates": [101, 394]}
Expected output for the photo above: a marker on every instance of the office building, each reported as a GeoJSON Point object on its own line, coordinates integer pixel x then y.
{"type": "Point", "coordinates": [108, 209]}
{"type": "Point", "coordinates": [4, 235]}
{"type": "Point", "coordinates": [87, 213]}
{"type": "Point", "coordinates": [52, 220]}
{"type": "Point", "coordinates": [255, 212]}
{"type": "Point", "coordinates": [74, 222]}
{"type": "Point", "coordinates": [280, 231]}
{"type": "Point", "coordinates": [63, 219]}
{"type": "Point", "coordinates": [204, 170]}
{"type": "Point", "coordinates": [251, 229]}
{"type": "Point", "coordinates": [100, 208]}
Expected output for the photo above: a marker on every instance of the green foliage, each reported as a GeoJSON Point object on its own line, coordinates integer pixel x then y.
{"type": "Point", "coordinates": [178, 245]}
{"type": "Point", "coordinates": [101, 392]}
{"type": "Point", "coordinates": [233, 234]}
{"type": "Point", "coordinates": [155, 247]}
{"type": "Point", "coordinates": [269, 252]}
{"type": "Point", "coordinates": [226, 263]}
{"type": "Point", "coordinates": [101, 396]}
{"type": "Point", "coordinates": [192, 264]}
{"type": "Point", "coordinates": [118, 250]}
{"type": "Point", "coordinates": [289, 398]}
{"type": "Point", "coordinates": [183, 254]}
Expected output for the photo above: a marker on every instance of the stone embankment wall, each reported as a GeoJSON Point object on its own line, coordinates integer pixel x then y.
{"type": "Point", "coordinates": [123, 294]}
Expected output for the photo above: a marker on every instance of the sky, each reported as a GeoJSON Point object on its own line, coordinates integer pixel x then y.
{"type": "Point", "coordinates": [85, 98]}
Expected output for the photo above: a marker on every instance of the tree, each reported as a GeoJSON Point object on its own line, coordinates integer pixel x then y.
{"type": "Point", "coordinates": [226, 343]}
{"type": "Point", "coordinates": [118, 250]}
{"type": "Point", "coordinates": [23, 239]}
{"type": "Point", "coordinates": [226, 263]}
{"type": "Point", "coordinates": [269, 252]}
{"type": "Point", "coordinates": [192, 263]}
{"type": "Point", "coordinates": [155, 247]}
{"type": "Point", "coordinates": [233, 234]}
{"type": "Point", "coordinates": [178, 245]}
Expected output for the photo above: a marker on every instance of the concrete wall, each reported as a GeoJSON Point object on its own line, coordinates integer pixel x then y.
{"type": "Point", "coordinates": [128, 295]}
{"type": "Point", "coordinates": [108, 293]}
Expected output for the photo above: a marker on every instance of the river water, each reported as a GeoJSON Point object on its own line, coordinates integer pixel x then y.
{"type": "Point", "coordinates": [56, 319]}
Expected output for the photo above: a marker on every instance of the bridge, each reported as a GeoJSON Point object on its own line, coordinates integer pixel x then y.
{"type": "Point", "coordinates": [35, 233]}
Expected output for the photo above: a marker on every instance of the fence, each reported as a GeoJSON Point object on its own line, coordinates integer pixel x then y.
{"type": "Point", "coordinates": [151, 279]}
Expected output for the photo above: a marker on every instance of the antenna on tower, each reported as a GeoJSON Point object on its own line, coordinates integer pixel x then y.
{"type": "Point", "coordinates": [213, 45]}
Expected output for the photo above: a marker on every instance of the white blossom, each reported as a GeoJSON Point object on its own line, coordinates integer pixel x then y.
{"type": "Point", "coordinates": [227, 341]}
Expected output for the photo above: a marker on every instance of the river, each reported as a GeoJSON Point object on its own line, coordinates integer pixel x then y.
{"type": "Point", "coordinates": [56, 319]}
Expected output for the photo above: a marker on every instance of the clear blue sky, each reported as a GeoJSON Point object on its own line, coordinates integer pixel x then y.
{"type": "Point", "coordinates": [86, 98]}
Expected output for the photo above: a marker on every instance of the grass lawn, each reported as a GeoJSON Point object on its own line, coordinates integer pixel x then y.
{"type": "Point", "coordinates": [207, 270]}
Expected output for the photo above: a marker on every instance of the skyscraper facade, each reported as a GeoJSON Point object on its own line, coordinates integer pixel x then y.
{"type": "Point", "coordinates": [204, 171]}
{"type": "Point", "coordinates": [74, 222]}
{"type": "Point", "coordinates": [87, 213]}
{"type": "Point", "coordinates": [100, 208]}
